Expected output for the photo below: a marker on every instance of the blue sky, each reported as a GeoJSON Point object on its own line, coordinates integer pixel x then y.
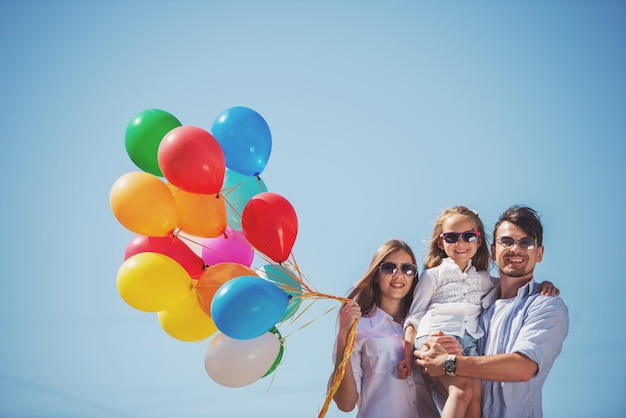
{"type": "Point", "coordinates": [382, 114]}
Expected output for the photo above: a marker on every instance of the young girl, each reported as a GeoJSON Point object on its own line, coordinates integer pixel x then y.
{"type": "Point", "coordinates": [448, 297]}
{"type": "Point", "coordinates": [381, 300]}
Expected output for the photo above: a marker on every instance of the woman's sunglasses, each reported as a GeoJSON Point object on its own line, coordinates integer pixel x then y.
{"type": "Point", "coordinates": [468, 236]}
{"type": "Point", "coordinates": [389, 268]}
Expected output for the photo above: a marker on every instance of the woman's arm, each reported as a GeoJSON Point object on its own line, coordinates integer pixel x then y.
{"type": "Point", "coordinates": [347, 395]}
{"type": "Point", "coordinates": [405, 367]}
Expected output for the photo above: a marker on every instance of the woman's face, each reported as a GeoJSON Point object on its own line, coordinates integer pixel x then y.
{"type": "Point", "coordinates": [393, 280]}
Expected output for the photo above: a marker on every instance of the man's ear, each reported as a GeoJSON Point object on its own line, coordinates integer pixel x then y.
{"type": "Point", "coordinates": [539, 253]}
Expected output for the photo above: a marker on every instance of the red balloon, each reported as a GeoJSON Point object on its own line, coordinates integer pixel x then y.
{"type": "Point", "coordinates": [270, 224]}
{"type": "Point", "coordinates": [170, 246]}
{"type": "Point", "coordinates": [192, 160]}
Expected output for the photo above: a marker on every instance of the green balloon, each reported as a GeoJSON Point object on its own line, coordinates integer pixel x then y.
{"type": "Point", "coordinates": [143, 136]}
{"type": "Point", "coordinates": [279, 357]}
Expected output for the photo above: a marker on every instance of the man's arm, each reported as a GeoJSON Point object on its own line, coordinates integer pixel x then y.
{"type": "Point", "coordinates": [510, 367]}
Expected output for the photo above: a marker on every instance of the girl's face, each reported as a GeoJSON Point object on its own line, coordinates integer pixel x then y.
{"type": "Point", "coordinates": [393, 281]}
{"type": "Point", "coordinates": [461, 251]}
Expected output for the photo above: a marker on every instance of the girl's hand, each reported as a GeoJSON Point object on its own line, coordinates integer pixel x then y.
{"type": "Point", "coordinates": [548, 289]}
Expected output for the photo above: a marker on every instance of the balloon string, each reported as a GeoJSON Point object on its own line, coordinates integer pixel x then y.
{"type": "Point", "coordinates": [318, 295]}
{"type": "Point", "coordinates": [306, 284]}
{"type": "Point", "coordinates": [341, 370]}
{"type": "Point", "coordinates": [309, 322]}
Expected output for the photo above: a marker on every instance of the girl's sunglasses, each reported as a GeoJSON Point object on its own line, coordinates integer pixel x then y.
{"type": "Point", "coordinates": [389, 268]}
{"type": "Point", "coordinates": [468, 236]}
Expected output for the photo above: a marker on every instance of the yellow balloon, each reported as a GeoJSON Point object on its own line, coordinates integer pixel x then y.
{"type": "Point", "coordinates": [201, 215]}
{"type": "Point", "coordinates": [187, 321]}
{"type": "Point", "coordinates": [153, 282]}
{"type": "Point", "coordinates": [143, 204]}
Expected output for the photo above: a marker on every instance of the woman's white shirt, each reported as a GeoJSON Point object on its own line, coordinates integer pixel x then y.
{"type": "Point", "coordinates": [378, 349]}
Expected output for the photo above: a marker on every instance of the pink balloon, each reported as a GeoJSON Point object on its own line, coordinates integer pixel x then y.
{"type": "Point", "coordinates": [170, 246]}
{"type": "Point", "coordinates": [192, 160]}
{"type": "Point", "coordinates": [231, 247]}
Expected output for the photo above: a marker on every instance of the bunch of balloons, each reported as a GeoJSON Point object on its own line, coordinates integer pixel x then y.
{"type": "Point", "coordinates": [200, 212]}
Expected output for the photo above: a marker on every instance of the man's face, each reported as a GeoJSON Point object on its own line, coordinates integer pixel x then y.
{"type": "Point", "coordinates": [514, 262]}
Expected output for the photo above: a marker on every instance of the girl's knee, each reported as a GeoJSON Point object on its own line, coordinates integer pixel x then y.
{"type": "Point", "coordinates": [463, 393]}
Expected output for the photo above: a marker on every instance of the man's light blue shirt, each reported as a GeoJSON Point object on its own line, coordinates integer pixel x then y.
{"type": "Point", "coordinates": [535, 326]}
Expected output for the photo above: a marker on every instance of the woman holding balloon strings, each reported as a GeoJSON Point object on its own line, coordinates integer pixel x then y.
{"type": "Point", "coordinates": [380, 302]}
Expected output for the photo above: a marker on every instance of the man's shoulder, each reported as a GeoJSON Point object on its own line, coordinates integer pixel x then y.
{"type": "Point", "coordinates": [540, 303]}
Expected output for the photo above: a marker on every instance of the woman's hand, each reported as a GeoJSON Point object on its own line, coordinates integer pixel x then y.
{"type": "Point", "coordinates": [405, 367]}
{"type": "Point", "coordinates": [350, 312]}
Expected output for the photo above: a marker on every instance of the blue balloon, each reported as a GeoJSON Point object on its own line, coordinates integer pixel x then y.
{"type": "Point", "coordinates": [245, 138]}
{"type": "Point", "coordinates": [286, 280]}
{"type": "Point", "coordinates": [238, 189]}
{"type": "Point", "coordinates": [247, 306]}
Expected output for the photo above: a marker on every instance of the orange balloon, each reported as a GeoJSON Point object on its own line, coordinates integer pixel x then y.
{"type": "Point", "coordinates": [187, 321]}
{"type": "Point", "coordinates": [143, 204]}
{"type": "Point", "coordinates": [213, 277]}
{"type": "Point", "coordinates": [201, 215]}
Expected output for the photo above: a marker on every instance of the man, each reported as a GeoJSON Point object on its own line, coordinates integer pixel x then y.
{"type": "Point", "coordinates": [524, 330]}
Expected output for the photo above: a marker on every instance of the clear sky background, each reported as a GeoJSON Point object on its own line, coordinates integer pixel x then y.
{"type": "Point", "coordinates": [382, 114]}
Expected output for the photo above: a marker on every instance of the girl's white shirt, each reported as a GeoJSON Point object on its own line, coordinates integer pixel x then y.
{"type": "Point", "coordinates": [449, 300]}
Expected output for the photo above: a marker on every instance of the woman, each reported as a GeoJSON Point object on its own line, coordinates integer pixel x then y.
{"type": "Point", "coordinates": [380, 302]}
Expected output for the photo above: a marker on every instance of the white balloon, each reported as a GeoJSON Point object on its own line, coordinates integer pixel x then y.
{"type": "Point", "coordinates": [236, 363]}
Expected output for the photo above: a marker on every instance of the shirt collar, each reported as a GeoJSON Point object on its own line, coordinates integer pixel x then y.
{"type": "Point", "coordinates": [378, 317]}
{"type": "Point", "coordinates": [452, 263]}
{"type": "Point", "coordinates": [521, 292]}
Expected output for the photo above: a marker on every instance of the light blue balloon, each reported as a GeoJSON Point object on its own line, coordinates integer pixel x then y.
{"type": "Point", "coordinates": [286, 280]}
{"type": "Point", "coordinates": [247, 306]}
{"type": "Point", "coordinates": [245, 138]}
{"type": "Point", "coordinates": [238, 189]}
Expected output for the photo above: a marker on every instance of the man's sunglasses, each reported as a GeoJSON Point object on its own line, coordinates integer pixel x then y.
{"type": "Point", "coordinates": [389, 268]}
{"type": "Point", "coordinates": [468, 236]}
{"type": "Point", "coordinates": [526, 243]}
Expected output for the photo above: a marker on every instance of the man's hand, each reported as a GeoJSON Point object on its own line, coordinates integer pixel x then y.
{"type": "Point", "coordinates": [448, 342]}
{"type": "Point", "coordinates": [435, 351]}
{"type": "Point", "coordinates": [431, 359]}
